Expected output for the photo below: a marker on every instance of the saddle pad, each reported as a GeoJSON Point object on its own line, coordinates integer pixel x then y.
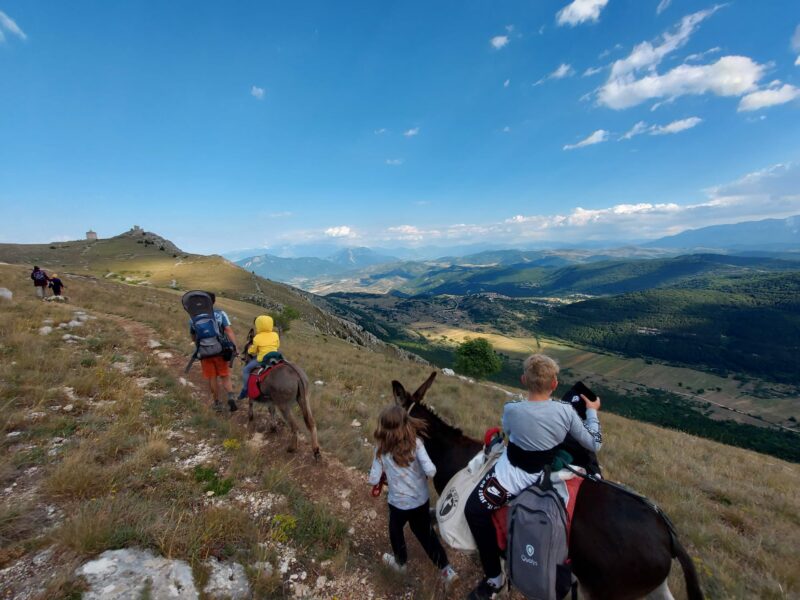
{"type": "Point", "coordinates": [256, 377]}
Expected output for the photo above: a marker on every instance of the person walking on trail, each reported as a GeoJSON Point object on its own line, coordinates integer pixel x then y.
{"type": "Point", "coordinates": [534, 427]}
{"type": "Point", "coordinates": [216, 369]}
{"type": "Point", "coordinates": [56, 284]}
{"type": "Point", "coordinates": [40, 281]}
{"type": "Point", "coordinates": [265, 341]}
{"type": "Point", "coordinates": [401, 457]}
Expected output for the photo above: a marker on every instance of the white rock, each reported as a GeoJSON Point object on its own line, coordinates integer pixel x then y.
{"type": "Point", "coordinates": [68, 408]}
{"type": "Point", "coordinates": [319, 382]}
{"type": "Point", "coordinates": [227, 580]}
{"type": "Point", "coordinates": [69, 393]}
{"type": "Point", "coordinates": [13, 434]}
{"type": "Point", "coordinates": [153, 344]}
{"type": "Point", "coordinates": [132, 573]}
{"type": "Point", "coordinates": [321, 581]}
{"type": "Point", "coordinates": [6, 294]}
{"type": "Point", "coordinates": [448, 372]}
{"type": "Point", "coordinates": [355, 423]}
{"type": "Point", "coordinates": [75, 323]}
{"type": "Point", "coordinates": [264, 568]}
{"type": "Point", "coordinates": [45, 330]}
{"type": "Point", "coordinates": [164, 355]}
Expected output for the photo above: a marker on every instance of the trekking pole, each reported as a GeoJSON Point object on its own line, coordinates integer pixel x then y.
{"type": "Point", "coordinates": [191, 362]}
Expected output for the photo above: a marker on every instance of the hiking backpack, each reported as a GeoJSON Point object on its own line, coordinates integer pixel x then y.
{"type": "Point", "coordinates": [39, 277]}
{"type": "Point", "coordinates": [210, 340]}
{"type": "Point", "coordinates": [537, 543]}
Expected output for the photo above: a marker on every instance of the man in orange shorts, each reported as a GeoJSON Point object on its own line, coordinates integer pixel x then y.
{"type": "Point", "coordinates": [216, 369]}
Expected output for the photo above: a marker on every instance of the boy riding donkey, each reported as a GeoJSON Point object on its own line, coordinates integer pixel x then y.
{"type": "Point", "coordinates": [215, 344]}
{"type": "Point", "coordinates": [534, 428]}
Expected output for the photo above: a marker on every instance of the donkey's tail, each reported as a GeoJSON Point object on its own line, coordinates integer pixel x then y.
{"type": "Point", "coordinates": [693, 591]}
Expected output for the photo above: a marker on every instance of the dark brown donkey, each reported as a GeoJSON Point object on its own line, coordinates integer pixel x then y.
{"type": "Point", "coordinates": [285, 384]}
{"type": "Point", "coordinates": [620, 547]}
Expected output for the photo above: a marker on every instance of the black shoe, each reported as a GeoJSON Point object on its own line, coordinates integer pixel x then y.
{"type": "Point", "coordinates": [484, 591]}
{"type": "Point", "coordinates": [232, 405]}
{"type": "Point", "coordinates": [217, 406]}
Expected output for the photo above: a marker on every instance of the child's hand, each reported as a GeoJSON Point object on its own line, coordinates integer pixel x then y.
{"type": "Point", "coordinates": [589, 404]}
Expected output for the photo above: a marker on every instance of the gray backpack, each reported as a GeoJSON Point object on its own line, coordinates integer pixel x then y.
{"type": "Point", "coordinates": [537, 544]}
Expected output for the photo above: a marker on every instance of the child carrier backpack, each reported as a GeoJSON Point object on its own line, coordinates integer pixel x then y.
{"type": "Point", "coordinates": [537, 543]}
{"type": "Point", "coordinates": [209, 339]}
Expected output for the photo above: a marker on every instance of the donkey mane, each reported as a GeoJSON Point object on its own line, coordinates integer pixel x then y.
{"type": "Point", "coordinates": [441, 423]}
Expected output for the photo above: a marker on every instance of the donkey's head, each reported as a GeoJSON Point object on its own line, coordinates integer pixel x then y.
{"type": "Point", "coordinates": [406, 400]}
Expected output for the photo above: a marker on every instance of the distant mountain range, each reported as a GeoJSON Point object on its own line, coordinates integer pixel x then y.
{"type": "Point", "coordinates": [769, 234]}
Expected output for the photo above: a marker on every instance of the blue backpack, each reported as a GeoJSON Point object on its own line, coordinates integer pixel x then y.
{"type": "Point", "coordinates": [210, 340]}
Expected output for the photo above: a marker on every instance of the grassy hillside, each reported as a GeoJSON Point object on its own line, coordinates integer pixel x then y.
{"type": "Point", "coordinates": [111, 471]}
{"type": "Point", "coordinates": [595, 278]}
{"type": "Point", "coordinates": [747, 324]}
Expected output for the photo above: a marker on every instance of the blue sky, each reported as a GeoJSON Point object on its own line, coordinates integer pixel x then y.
{"type": "Point", "coordinates": [396, 123]}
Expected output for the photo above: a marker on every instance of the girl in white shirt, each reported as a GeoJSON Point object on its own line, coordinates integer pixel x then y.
{"type": "Point", "coordinates": [401, 456]}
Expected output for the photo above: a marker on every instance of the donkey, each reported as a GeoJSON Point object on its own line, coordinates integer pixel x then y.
{"type": "Point", "coordinates": [620, 547]}
{"type": "Point", "coordinates": [285, 383]}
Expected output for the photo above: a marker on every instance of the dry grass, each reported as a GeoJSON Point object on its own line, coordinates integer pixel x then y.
{"type": "Point", "coordinates": [737, 511]}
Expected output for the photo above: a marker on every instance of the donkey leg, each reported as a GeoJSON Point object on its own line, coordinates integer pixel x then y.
{"type": "Point", "coordinates": [305, 408]}
{"type": "Point", "coordinates": [250, 410]}
{"type": "Point", "coordinates": [660, 593]}
{"type": "Point", "coordinates": [273, 418]}
{"type": "Point", "coordinates": [286, 411]}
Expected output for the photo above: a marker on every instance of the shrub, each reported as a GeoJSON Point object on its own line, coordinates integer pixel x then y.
{"type": "Point", "coordinates": [477, 358]}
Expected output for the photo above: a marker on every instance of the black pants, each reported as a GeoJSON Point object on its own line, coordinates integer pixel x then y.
{"type": "Point", "coordinates": [419, 519]}
{"type": "Point", "coordinates": [486, 498]}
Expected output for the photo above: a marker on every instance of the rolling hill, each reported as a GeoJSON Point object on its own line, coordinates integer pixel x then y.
{"type": "Point", "coordinates": [106, 446]}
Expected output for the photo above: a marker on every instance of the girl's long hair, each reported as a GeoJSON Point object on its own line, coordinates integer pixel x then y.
{"type": "Point", "coordinates": [396, 434]}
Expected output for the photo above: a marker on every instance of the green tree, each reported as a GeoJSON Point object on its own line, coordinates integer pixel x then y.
{"type": "Point", "coordinates": [477, 358]}
{"type": "Point", "coordinates": [283, 320]}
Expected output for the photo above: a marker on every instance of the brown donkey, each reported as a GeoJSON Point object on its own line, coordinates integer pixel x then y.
{"type": "Point", "coordinates": [285, 383]}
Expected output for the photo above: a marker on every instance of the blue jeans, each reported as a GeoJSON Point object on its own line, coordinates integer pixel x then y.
{"type": "Point", "coordinates": [248, 368]}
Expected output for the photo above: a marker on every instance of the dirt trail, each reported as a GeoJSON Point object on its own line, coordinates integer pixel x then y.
{"type": "Point", "coordinates": [342, 490]}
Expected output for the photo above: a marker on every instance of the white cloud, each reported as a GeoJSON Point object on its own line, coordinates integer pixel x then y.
{"type": "Point", "coordinates": [638, 129]}
{"type": "Point", "coordinates": [8, 25]}
{"type": "Point", "coordinates": [257, 92]}
{"type": "Point", "coordinates": [662, 6]}
{"type": "Point", "coordinates": [729, 76]}
{"type": "Point", "coordinates": [699, 55]}
{"type": "Point", "coordinates": [676, 126]}
{"type": "Point", "coordinates": [597, 137]}
{"type": "Point", "coordinates": [506, 129]}
{"type": "Point", "coordinates": [772, 96]}
{"type": "Point", "coordinates": [343, 231]}
{"type": "Point", "coordinates": [499, 41]}
{"type": "Point", "coordinates": [506, 83]}
{"type": "Point", "coordinates": [411, 233]}
{"type": "Point", "coordinates": [381, 131]}
{"type": "Point", "coordinates": [592, 71]}
{"type": "Point", "coordinates": [580, 11]}
{"type": "Point", "coordinates": [563, 70]}
{"type": "Point", "coordinates": [394, 162]}
{"type": "Point", "coordinates": [647, 56]}
{"type": "Point", "coordinates": [795, 39]}
{"type": "Point", "coordinates": [509, 28]}
{"type": "Point", "coordinates": [411, 132]}
{"type": "Point", "coordinates": [797, 62]}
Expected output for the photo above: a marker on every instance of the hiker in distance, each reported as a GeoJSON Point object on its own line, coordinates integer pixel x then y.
{"type": "Point", "coordinates": [264, 342]}
{"type": "Point", "coordinates": [534, 427]}
{"type": "Point", "coordinates": [40, 281]}
{"type": "Point", "coordinates": [401, 457]}
{"type": "Point", "coordinates": [56, 285]}
{"type": "Point", "coordinates": [217, 334]}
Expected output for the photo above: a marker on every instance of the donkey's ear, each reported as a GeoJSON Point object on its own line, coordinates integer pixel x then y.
{"type": "Point", "coordinates": [423, 389]}
{"type": "Point", "coordinates": [400, 394]}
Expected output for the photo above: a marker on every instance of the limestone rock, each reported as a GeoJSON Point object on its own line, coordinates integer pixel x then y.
{"type": "Point", "coordinates": [131, 574]}
{"type": "Point", "coordinates": [46, 330]}
{"type": "Point", "coordinates": [227, 580]}
{"type": "Point", "coordinates": [448, 372]}
{"type": "Point", "coordinates": [6, 294]}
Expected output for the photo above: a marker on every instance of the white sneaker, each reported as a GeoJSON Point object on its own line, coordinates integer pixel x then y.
{"type": "Point", "coordinates": [448, 575]}
{"type": "Point", "coordinates": [390, 561]}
